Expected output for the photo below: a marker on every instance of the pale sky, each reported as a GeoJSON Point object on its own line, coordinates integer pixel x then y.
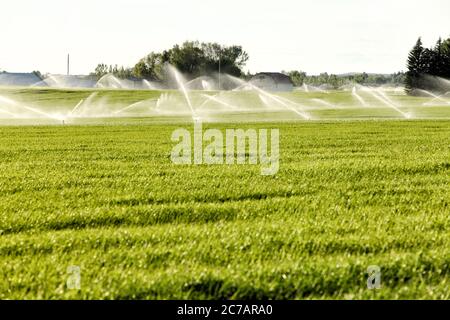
{"type": "Point", "coordinates": [334, 36]}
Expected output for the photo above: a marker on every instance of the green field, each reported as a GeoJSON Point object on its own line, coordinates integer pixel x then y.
{"type": "Point", "coordinates": [103, 194]}
{"type": "Point", "coordinates": [100, 106]}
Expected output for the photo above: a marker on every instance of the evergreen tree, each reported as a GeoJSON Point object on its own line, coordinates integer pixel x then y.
{"type": "Point", "coordinates": [427, 66]}
{"type": "Point", "coordinates": [445, 50]}
{"type": "Point", "coordinates": [435, 59]}
{"type": "Point", "coordinates": [416, 66]}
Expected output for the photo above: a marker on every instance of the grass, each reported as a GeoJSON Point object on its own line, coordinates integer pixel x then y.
{"type": "Point", "coordinates": [249, 106]}
{"type": "Point", "coordinates": [107, 198]}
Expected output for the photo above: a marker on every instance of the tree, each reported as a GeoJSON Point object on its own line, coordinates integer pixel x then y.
{"type": "Point", "coordinates": [100, 70]}
{"type": "Point", "coordinates": [440, 64]}
{"type": "Point", "coordinates": [119, 72]}
{"type": "Point", "coordinates": [416, 66]}
{"type": "Point", "coordinates": [150, 67]}
{"type": "Point", "coordinates": [38, 74]}
{"type": "Point", "coordinates": [397, 78]}
{"type": "Point", "coordinates": [434, 59]}
{"type": "Point", "coordinates": [194, 58]}
{"type": "Point", "coordinates": [361, 78]}
{"type": "Point", "coordinates": [445, 49]}
{"type": "Point", "coordinates": [191, 58]}
{"type": "Point", "coordinates": [297, 77]}
{"type": "Point", "coordinates": [232, 59]}
{"type": "Point", "coordinates": [123, 73]}
{"type": "Point", "coordinates": [334, 81]}
{"type": "Point", "coordinates": [187, 58]}
{"type": "Point", "coordinates": [427, 66]}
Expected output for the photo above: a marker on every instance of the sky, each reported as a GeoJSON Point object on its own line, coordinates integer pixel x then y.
{"type": "Point", "coordinates": [334, 36]}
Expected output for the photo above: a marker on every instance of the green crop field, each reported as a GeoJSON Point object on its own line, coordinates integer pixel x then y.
{"type": "Point", "coordinates": [104, 195]}
{"type": "Point", "coordinates": [102, 106]}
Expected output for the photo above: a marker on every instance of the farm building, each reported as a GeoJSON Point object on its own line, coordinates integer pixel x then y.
{"type": "Point", "coordinates": [272, 81]}
{"type": "Point", "coordinates": [33, 80]}
{"type": "Point", "coordinates": [19, 79]}
{"type": "Point", "coordinates": [69, 81]}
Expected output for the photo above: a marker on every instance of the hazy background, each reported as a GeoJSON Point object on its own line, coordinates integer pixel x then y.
{"type": "Point", "coordinates": [310, 35]}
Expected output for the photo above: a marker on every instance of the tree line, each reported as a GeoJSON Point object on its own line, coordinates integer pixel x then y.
{"type": "Point", "coordinates": [427, 65]}
{"type": "Point", "coordinates": [334, 81]}
{"type": "Point", "coordinates": [192, 58]}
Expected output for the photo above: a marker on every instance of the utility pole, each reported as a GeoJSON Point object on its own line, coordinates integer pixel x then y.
{"type": "Point", "coordinates": [68, 64]}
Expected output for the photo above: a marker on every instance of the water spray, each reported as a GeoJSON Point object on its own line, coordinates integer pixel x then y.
{"type": "Point", "coordinates": [181, 86]}
{"type": "Point", "coordinates": [76, 107]}
{"type": "Point", "coordinates": [357, 96]}
{"type": "Point", "coordinates": [215, 99]}
{"type": "Point", "coordinates": [380, 96]}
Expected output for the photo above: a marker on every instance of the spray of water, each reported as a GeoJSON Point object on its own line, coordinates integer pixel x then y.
{"type": "Point", "coordinates": [109, 81]}
{"type": "Point", "coordinates": [274, 98]}
{"type": "Point", "coordinates": [7, 100]}
{"type": "Point", "coordinates": [190, 102]}
{"type": "Point", "coordinates": [298, 106]}
{"type": "Point", "coordinates": [148, 84]}
{"type": "Point", "coordinates": [360, 99]}
{"type": "Point", "coordinates": [82, 107]}
{"type": "Point", "coordinates": [381, 96]}
{"type": "Point", "coordinates": [162, 98]}
{"type": "Point", "coordinates": [180, 82]}
{"type": "Point", "coordinates": [7, 112]}
{"type": "Point", "coordinates": [264, 100]}
{"type": "Point", "coordinates": [309, 88]}
{"type": "Point", "coordinates": [32, 109]}
{"type": "Point", "coordinates": [323, 102]}
{"type": "Point", "coordinates": [305, 87]}
{"type": "Point", "coordinates": [76, 107]}
{"type": "Point", "coordinates": [282, 101]}
{"type": "Point", "coordinates": [435, 97]}
{"type": "Point", "coordinates": [133, 105]}
{"type": "Point", "coordinates": [216, 99]}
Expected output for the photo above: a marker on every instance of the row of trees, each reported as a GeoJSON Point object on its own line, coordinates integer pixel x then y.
{"type": "Point", "coordinates": [192, 58]}
{"type": "Point", "coordinates": [120, 72]}
{"type": "Point", "coordinates": [335, 81]}
{"type": "Point", "coordinates": [426, 65]}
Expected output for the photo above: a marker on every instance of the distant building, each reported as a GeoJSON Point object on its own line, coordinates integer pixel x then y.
{"type": "Point", "coordinates": [19, 79]}
{"type": "Point", "coordinates": [69, 81]}
{"type": "Point", "coordinates": [272, 81]}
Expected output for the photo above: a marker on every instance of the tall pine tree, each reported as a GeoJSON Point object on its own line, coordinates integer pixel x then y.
{"type": "Point", "coordinates": [446, 58]}
{"type": "Point", "coordinates": [426, 67]}
{"type": "Point", "coordinates": [437, 65]}
{"type": "Point", "coordinates": [416, 66]}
